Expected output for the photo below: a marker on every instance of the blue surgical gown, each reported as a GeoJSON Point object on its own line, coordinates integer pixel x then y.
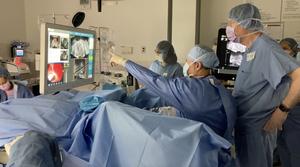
{"type": "Point", "coordinates": [261, 85]}
{"type": "Point", "coordinates": [194, 98]}
{"type": "Point", "coordinates": [145, 99]}
{"type": "Point", "coordinates": [171, 70]}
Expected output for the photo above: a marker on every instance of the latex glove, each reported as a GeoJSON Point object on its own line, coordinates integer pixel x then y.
{"type": "Point", "coordinates": [115, 59]}
{"type": "Point", "coordinates": [9, 145]}
{"type": "Point", "coordinates": [276, 121]}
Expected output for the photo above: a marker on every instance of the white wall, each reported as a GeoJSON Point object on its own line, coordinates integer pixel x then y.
{"type": "Point", "coordinates": [135, 23]}
{"type": "Point", "coordinates": [183, 33]}
{"type": "Point", "coordinates": [12, 19]}
{"type": "Point", "coordinates": [213, 14]}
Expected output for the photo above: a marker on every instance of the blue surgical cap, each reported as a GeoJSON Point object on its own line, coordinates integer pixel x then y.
{"type": "Point", "coordinates": [4, 72]}
{"type": "Point", "coordinates": [248, 16]}
{"type": "Point", "coordinates": [205, 55]}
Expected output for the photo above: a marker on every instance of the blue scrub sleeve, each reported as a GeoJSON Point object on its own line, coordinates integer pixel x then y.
{"type": "Point", "coordinates": [152, 66]}
{"type": "Point", "coordinates": [276, 66]}
{"type": "Point", "coordinates": [179, 71]}
{"type": "Point", "coordinates": [24, 92]}
{"type": "Point", "coordinates": [167, 88]}
{"type": "Point", "coordinates": [3, 96]}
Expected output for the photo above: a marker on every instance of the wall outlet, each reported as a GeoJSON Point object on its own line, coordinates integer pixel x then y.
{"type": "Point", "coordinates": [143, 49]}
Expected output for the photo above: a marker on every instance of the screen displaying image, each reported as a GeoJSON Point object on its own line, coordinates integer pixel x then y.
{"type": "Point", "coordinates": [64, 55]}
{"type": "Point", "coordinates": [19, 52]}
{"type": "Point", "coordinates": [54, 41]}
{"type": "Point", "coordinates": [69, 56]}
{"type": "Point", "coordinates": [64, 43]}
{"type": "Point", "coordinates": [79, 47]}
{"type": "Point", "coordinates": [80, 70]}
{"type": "Point", "coordinates": [55, 74]}
{"type": "Point", "coordinates": [235, 59]}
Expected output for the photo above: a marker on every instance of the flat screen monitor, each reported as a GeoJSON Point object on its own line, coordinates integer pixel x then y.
{"type": "Point", "coordinates": [67, 57]}
{"type": "Point", "coordinates": [19, 52]}
{"type": "Point", "coordinates": [228, 59]}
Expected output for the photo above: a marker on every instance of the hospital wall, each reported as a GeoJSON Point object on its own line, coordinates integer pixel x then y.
{"type": "Point", "coordinates": [135, 23]}
{"type": "Point", "coordinates": [213, 14]}
{"type": "Point", "coordinates": [281, 18]}
{"type": "Point", "coordinates": [12, 19]}
{"type": "Point", "coordinates": [183, 27]}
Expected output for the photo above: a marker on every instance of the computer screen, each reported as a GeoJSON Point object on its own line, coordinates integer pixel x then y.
{"type": "Point", "coordinates": [227, 58]}
{"type": "Point", "coordinates": [19, 52]}
{"type": "Point", "coordinates": [67, 57]}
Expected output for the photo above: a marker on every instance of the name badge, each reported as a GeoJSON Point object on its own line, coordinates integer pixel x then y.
{"type": "Point", "coordinates": [250, 56]}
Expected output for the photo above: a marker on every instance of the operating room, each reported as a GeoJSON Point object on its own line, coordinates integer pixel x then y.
{"type": "Point", "coordinates": [140, 83]}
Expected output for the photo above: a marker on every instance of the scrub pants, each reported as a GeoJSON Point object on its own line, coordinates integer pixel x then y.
{"type": "Point", "coordinates": [34, 150]}
{"type": "Point", "coordinates": [255, 149]}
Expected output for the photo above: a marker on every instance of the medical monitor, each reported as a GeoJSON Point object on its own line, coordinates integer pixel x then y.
{"type": "Point", "coordinates": [227, 59]}
{"type": "Point", "coordinates": [67, 57]}
{"type": "Point", "coordinates": [19, 52]}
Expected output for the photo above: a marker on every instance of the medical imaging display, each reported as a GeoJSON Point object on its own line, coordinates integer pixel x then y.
{"type": "Point", "coordinates": [70, 56]}
{"type": "Point", "coordinates": [54, 41]}
{"type": "Point", "coordinates": [55, 73]}
{"type": "Point", "coordinates": [79, 47]}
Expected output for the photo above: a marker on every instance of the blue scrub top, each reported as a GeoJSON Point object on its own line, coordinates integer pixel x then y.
{"type": "Point", "coordinates": [194, 98]}
{"type": "Point", "coordinates": [171, 71]}
{"type": "Point", "coordinates": [22, 92]}
{"type": "Point", "coordinates": [262, 83]}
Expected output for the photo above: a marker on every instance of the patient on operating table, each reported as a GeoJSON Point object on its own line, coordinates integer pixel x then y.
{"type": "Point", "coordinates": [94, 129]}
{"type": "Point", "coordinates": [11, 89]}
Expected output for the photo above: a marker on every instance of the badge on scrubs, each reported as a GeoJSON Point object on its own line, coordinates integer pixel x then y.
{"type": "Point", "coordinates": [165, 74]}
{"type": "Point", "coordinates": [250, 56]}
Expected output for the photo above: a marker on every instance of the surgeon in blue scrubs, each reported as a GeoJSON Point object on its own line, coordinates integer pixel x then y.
{"type": "Point", "coordinates": [10, 89]}
{"type": "Point", "coordinates": [266, 88]}
{"type": "Point", "coordinates": [199, 97]}
{"type": "Point", "coordinates": [166, 61]}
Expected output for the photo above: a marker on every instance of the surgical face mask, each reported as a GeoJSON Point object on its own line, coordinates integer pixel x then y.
{"type": "Point", "coordinates": [185, 69]}
{"type": "Point", "coordinates": [159, 57]}
{"type": "Point", "coordinates": [6, 86]}
{"type": "Point", "coordinates": [230, 33]}
{"type": "Point", "coordinates": [160, 60]}
{"type": "Point", "coordinates": [187, 66]}
{"type": "Point", "coordinates": [236, 47]}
